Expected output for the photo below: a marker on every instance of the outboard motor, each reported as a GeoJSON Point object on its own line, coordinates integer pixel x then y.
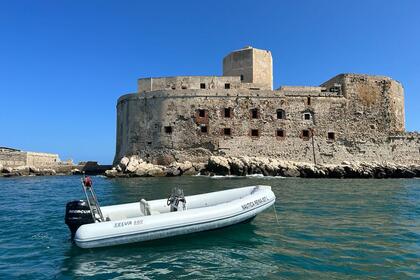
{"type": "Point", "coordinates": [77, 214]}
{"type": "Point", "coordinates": [81, 212]}
{"type": "Point", "coordinates": [176, 197]}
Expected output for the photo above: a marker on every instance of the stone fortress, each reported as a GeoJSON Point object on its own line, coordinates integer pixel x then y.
{"type": "Point", "coordinates": [350, 117]}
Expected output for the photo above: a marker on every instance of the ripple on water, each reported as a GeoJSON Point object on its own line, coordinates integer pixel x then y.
{"type": "Point", "coordinates": [328, 229]}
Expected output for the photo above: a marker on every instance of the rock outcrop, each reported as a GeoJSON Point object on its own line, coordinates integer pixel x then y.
{"type": "Point", "coordinates": [134, 166]}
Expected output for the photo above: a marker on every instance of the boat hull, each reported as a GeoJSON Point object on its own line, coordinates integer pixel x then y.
{"type": "Point", "coordinates": [152, 227]}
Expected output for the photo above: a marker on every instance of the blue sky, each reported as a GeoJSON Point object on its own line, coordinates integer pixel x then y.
{"type": "Point", "coordinates": [63, 64]}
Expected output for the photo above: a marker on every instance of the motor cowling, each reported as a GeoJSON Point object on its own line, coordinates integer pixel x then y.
{"type": "Point", "coordinates": [77, 214]}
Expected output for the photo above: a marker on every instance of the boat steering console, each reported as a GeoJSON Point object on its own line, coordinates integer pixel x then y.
{"type": "Point", "coordinates": [176, 197]}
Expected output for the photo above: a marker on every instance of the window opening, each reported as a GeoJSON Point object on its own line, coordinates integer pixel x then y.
{"type": "Point", "coordinates": [201, 113]}
{"type": "Point", "coordinates": [254, 113]}
{"type": "Point", "coordinates": [168, 129]}
{"type": "Point", "coordinates": [280, 133]}
{"type": "Point", "coordinates": [280, 114]}
{"type": "Point", "coordinates": [227, 112]}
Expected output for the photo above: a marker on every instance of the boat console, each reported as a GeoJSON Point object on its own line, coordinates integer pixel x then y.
{"type": "Point", "coordinates": [177, 196]}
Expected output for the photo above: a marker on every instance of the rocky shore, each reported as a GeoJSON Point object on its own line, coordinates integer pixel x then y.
{"type": "Point", "coordinates": [91, 168]}
{"type": "Point", "coordinates": [26, 171]}
{"type": "Point", "coordinates": [134, 166]}
{"type": "Point", "coordinates": [241, 166]}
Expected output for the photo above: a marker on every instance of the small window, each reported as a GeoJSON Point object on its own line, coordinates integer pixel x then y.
{"type": "Point", "coordinates": [307, 116]}
{"type": "Point", "coordinates": [201, 113]}
{"type": "Point", "coordinates": [309, 101]}
{"type": "Point", "coordinates": [331, 136]}
{"type": "Point", "coordinates": [184, 87]}
{"type": "Point", "coordinates": [280, 133]}
{"type": "Point", "coordinates": [203, 129]}
{"type": "Point", "coordinates": [227, 86]}
{"type": "Point", "coordinates": [227, 131]}
{"type": "Point", "coordinates": [255, 133]}
{"type": "Point", "coordinates": [168, 129]}
{"type": "Point", "coordinates": [306, 133]}
{"type": "Point", "coordinates": [242, 77]}
{"type": "Point", "coordinates": [227, 112]}
{"type": "Point", "coordinates": [202, 85]}
{"type": "Point", "coordinates": [149, 143]}
{"type": "Point", "coordinates": [254, 114]}
{"type": "Point", "coordinates": [281, 114]}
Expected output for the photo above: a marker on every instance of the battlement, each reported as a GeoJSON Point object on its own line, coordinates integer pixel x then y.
{"type": "Point", "coordinates": [188, 82]}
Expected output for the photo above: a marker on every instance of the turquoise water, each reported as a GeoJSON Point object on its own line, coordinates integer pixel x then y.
{"type": "Point", "coordinates": [328, 229]}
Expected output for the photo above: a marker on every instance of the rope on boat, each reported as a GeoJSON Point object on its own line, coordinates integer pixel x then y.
{"type": "Point", "coordinates": [275, 213]}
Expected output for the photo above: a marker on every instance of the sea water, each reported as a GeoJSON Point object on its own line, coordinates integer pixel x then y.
{"type": "Point", "coordinates": [326, 229]}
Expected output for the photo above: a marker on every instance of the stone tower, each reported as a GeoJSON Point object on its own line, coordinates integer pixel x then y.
{"type": "Point", "coordinates": [252, 65]}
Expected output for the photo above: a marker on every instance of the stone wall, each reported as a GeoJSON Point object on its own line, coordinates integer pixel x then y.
{"type": "Point", "coordinates": [376, 102]}
{"type": "Point", "coordinates": [164, 126]}
{"type": "Point", "coordinates": [14, 158]}
{"type": "Point", "coordinates": [41, 159]}
{"type": "Point", "coordinates": [188, 82]}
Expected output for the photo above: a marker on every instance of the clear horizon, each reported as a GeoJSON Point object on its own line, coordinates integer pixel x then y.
{"type": "Point", "coordinates": [64, 64]}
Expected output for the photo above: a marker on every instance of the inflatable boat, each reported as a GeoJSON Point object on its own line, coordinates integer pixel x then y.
{"type": "Point", "coordinates": [93, 226]}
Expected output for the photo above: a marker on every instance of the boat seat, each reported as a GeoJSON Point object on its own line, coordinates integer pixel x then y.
{"type": "Point", "coordinates": [145, 208]}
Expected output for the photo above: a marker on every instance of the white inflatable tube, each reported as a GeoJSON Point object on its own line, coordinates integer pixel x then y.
{"type": "Point", "coordinates": [214, 210]}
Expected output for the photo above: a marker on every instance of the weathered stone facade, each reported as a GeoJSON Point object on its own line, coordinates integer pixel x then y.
{"type": "Point", "coordinates": [13, 158]}
{"type": "Point", "coordinates": [351, 117]}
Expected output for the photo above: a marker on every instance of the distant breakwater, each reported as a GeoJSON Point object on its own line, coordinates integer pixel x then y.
{"type": "Point", "coordinates": [241, 166]}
